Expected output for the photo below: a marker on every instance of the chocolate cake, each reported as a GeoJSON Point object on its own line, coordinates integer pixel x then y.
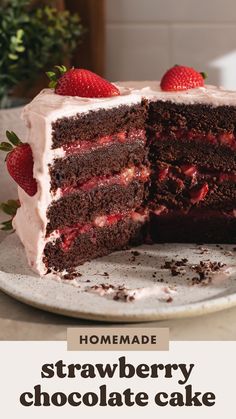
{"type": "Point", "coordinates": [112, 171]}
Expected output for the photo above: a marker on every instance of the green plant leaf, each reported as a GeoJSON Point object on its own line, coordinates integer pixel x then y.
{"type": "Point", "coordinates": [20, 34]}
{"type": "Point", "coordinates": [12, 56]}
{"type": "Point", "coordinates": [20, 48]}
{"type": "Point", "coordinates": [33, 37]}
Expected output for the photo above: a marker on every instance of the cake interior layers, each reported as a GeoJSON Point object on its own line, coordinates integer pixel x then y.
{"type": "Point", "coordinates": [99, 184]}
{"type": "Point", "coordinates": [79, 243]}
{"type": "Point", "coordinates": [104, 167]}
{"type": "Point", "coordinates": [193, 160]}
{"type": "Point", "coordinates": [94, 124]}
{"type": "Point", "coordinates": [100, 196]}
{"type": "Point", "coordinates": [167, 168]}
{"type": "Point", "coordinates": [186, 186]}
{"type": "Point", "coordinates": [105, 156]}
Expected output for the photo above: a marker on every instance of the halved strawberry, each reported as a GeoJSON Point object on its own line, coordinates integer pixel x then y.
{"type": "Point", "coordinates": [182, 78]}
{"type": "Point", "coordinates": [19, 162]}
{"type": "Point", "coordinates": [80, 82]}
{"type": "Point", "coordinates": [198, 195]}
{"type": "Point", "coordinates": [189, 170]}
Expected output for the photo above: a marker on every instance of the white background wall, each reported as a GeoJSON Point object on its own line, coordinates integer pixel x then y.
{"type": "Point", "coordinates": [145, 37]}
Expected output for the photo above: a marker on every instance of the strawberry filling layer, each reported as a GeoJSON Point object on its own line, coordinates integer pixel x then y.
{"type": "Point", "coordinates": [197, 181]}
{"type": "Point", "coordinates": [69, 234]}
{"type": "Point", "coordinates": [193, 172]}
{"type": "Point", "coordinates": [123, 178]}
{"type": "Point", "coordinates": [78, 146]}
{"type": "Point", "coordinates": [225, 139]}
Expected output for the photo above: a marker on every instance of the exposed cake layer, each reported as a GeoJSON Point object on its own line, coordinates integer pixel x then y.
{"type": "Point", "coordinates": [77, 246]}
{"type": "Point", "coordinates": [107, 159]}
{"type": "Point", "coordinates": [195, 226]}
{"type": "Point", "coordinates": [84, 205]}
{"type": "Point", "coordinates": [94, 124]}
{"type": "Point", "coordinates": [189, 186]}
{"type": "Point", "coordinates": [194, 152]}
{"type": "Point", "coordinates": [168, 117]}
{"type": "Point", "coordinates": [125, 177]}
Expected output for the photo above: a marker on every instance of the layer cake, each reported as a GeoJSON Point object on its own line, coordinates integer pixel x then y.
{"type": "Point", "coordinates": [113, 171]}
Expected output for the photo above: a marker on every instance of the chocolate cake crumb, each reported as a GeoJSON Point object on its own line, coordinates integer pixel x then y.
{"type": "Point", "coordinates": [175, 271]}
{"type": "Point", "coordinates": [122, 296]}
{"type": "Point", "coordinates": [205, 270]}
{"type": "Point", "coordinates": [70, 275]}
{"type": "Point", "coordinates": [169, 264]}
{"type": "Point", "coordinates": [135, 253]}
{"type": "Point", "coordinates": [176, 267]}
{"type": "Point", "coordinates": [203, 250]}
{"type": "Point", "coordinates": [228, 253]}
{"type": "Point", "coordinates": [169, 300]}
{"type": "Point", "coordinates": [118, 293]}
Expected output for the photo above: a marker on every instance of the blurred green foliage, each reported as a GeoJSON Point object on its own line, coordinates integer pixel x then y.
{"type": "Point", "coordinates": [31, 40]}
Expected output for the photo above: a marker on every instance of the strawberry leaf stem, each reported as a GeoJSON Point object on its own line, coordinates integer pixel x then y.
{"type": "Point", "coordinates": [55, 75]}
{"type": "Point", "coordinates": [5, 147]}
{"type": "Point", "coordinates": [13, 138]}
{"type": "Point", "coordinates": [204, 75]}
{"type": "Point", "coordinates": [13, 141]}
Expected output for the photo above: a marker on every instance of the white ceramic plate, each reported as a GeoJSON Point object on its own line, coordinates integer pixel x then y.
{"type": "Point", "coordinates": [175, 297]}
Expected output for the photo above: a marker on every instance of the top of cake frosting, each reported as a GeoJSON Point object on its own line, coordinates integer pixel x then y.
{"type": "Point", "coordinates": [209, 94]}
{"type": "Point", "coordinates": [49, 104]}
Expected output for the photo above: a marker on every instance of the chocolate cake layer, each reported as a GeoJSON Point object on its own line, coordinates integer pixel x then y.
{"type": "Point", "coordinates": [203, 153]}
{"type": "Point", "coordinates": [94, 124]}
{"type": "Point", "coordinates": [170, 117]}
{"type": "Point", "coordinates": [222, 197]}
{"type": "Point", "coordinates": [190, 186]}
{"type": "Point", "coordinates": [194, 227]}
{"type": "Point", "coordinates": [84, 206]}
{"type": "Point", "coordinates": [97, 242]}
{"type": "Point", "coordinates": [102, 161]}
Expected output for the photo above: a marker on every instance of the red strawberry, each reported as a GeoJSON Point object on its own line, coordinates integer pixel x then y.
{"type": "Point", "coordinates": [80, 82]}
{"type": "Point", "coordinates": [199, 194]}
{"type": "Point", "coordinates": [182, 78]}
{"type": "Point", "coordinates": [189, 170]}
{"type": "Point", "coordinates": [19, 162]}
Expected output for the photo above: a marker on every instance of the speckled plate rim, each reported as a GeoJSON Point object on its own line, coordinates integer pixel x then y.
{"type": "Point", "coordinates": [190, 310]}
